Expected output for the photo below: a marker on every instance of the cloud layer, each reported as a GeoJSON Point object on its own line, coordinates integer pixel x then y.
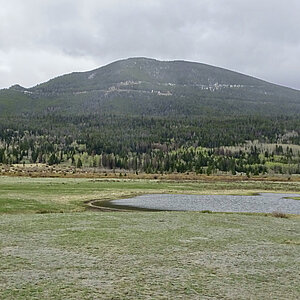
{"type": "Point", "coordinates": [43, 39]}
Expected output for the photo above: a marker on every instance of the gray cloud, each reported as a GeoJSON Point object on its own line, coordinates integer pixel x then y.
{"type": "Point", "coordinates": [43, 39]}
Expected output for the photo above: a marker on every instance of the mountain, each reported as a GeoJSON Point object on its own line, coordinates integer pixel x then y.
{"type": "Point", "coordinates": [146, 115]}
{"type": "Point", "coordinates": [142, 86]}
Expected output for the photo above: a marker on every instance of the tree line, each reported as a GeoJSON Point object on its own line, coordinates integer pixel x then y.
{"type": "Point", "coordinates": [151, 144]}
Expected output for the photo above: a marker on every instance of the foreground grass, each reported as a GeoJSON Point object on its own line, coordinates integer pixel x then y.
{"type": "Point", "coordinates": [143, 255]}
{"type": "Point", "coordinates": [42, 195]}
{"type": "Point", "coordinates": [76, 254]}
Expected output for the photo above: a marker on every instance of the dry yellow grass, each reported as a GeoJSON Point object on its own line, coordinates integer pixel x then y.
{"type": "Point", "coordinates": [59, 171]}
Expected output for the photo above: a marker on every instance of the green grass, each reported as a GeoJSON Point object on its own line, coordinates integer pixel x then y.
{"type": "Point", "coordinates": [140, 255]}
{"type": "Point", "coordinates": [82, 254]}
{"type": "Point", "coordinates": [294, 198]}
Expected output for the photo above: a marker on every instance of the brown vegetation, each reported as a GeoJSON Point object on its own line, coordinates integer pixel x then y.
{"type": "Point", "coordinates": [60, 171]}
{"type": "Point", "coordinates": [278, 214]}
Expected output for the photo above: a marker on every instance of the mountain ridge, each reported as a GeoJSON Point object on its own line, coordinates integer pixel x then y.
{"type": "Point", "coordinates": [174, 87]}
{"type": "Point", "coordinates": [135, 59]}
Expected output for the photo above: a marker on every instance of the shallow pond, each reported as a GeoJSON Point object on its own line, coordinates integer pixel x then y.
{"type": "Point", "coordinates": [262, 203]}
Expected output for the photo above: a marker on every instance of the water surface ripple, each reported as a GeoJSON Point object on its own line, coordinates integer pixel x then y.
{"type": "Point", "coordinates": [262, 203]}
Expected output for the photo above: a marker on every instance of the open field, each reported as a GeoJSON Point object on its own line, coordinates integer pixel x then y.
{"type": "Point", "coordinates": [72, 253]}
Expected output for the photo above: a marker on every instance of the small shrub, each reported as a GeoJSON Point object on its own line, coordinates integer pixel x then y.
{"type": "Point", "coordinates": [278, 214]}
{"type": "Point", "coordinates": [42, 211]}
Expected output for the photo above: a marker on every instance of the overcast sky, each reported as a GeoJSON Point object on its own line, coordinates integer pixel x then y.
{"type": "Point", "coordinates": [41, 39]}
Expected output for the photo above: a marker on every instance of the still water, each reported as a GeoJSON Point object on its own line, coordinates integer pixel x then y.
{"type": "Point", "coordinates": [262, 203]}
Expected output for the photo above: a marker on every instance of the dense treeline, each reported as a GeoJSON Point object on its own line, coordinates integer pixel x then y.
{"type": "Point", "coordinates": [151, 144]}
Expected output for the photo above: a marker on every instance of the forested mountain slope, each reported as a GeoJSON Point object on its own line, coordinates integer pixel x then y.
{"type": "Point", "coordinates": [140, 86]}
{"type": "Point", "coordinates": [146, 115]}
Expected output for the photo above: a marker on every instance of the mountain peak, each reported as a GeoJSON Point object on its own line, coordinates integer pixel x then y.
{"type": "Point", "coordinates": [17, 87]}
{"type": "Point", "coordinates": [141, 85]}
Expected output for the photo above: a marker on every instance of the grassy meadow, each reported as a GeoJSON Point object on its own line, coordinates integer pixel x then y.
{"type": "Point", "coordinates": [53, 247]}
